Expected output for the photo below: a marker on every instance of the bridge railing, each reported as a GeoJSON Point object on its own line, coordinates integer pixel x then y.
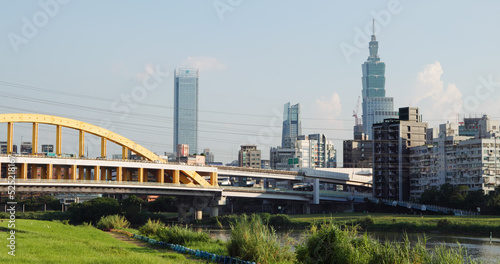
{"type": "Point", "coordinates": [109, 182]}
{"type": "Point", "coordinates": [425, 207]}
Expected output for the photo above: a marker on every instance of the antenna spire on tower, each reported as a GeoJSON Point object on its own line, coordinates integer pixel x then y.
{"type": "Point", "coordinates": [373, 26]}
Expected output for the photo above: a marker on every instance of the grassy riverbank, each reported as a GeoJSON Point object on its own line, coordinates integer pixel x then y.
{"type": "Point", "coordinates": [55, 242]}
{"type": "Point", "coordinates": [383, 222]}
{"type": "Point", "coordinates": [410, 223]}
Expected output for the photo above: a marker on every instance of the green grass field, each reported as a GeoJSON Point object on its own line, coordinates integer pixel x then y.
{"type": "Point", "coordinates": [54, 242]}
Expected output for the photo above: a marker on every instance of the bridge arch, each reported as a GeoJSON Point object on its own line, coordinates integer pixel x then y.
{"type": "Point", "coordinates": [179, 176]}
{"type": "Point", "coordinates": [81, 126]}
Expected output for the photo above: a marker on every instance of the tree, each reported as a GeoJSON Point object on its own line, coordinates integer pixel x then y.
{"type": "Point", "coordinates": [429, 196]}
{"type": "Point", "coordinates": [93, 210]}
{"type": "Point", "coordinates": [162, 204]}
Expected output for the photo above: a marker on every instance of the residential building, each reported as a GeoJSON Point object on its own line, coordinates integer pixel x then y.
{"type": "Point", "coordinates": [46, 148]}
{"type": "Point", "coordinates": [291, 125]}
{"type": "Point", "coordinates": [312, 151]}
{"type": "Point", "coordinates": [391, 142]}
{"type": "Point", "coordinates": [376, 106]}
{"type": "Point", "coordinates": [249, 156]}
{"type": "Point", "coordinates": [186, 108]}
{"type": "Point", "coordinates": [422, 171]}
{"type": "Point", "coordinates": [265, 164]}
{"type": "Point", "coordinates": [26, 147]}
{"type": "Point", "coordinates": [182, 150]}
{"type": "Point", "coordinates": [3, 147]}
{"type": "Point", "coordinates": [465, 154]}
{"type": "Point", "coordinates": [323, 154]}
{"type": "Point", "coordinates": [358, 153]}
{"type": "Point", "coordinates": [193, 159]}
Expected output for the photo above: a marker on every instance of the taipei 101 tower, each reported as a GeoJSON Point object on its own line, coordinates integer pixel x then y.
{"type": "Point", "coordinates": [376, 106]}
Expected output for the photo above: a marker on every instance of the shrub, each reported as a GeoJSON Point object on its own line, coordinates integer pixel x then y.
{"type": "Point", "coordinates": [331, 244]}
{"type": "Point", "coordinates": [151, 227]}
{"type": "Point", "coordinates": [252, 240]}
{"type": "Point", "coordinates": [366, 222]}
{"type": "Point", "coordinates": [280, 220]}
{"type": "Point", "coordinates": [113, 221]}
{"type": "Point", "coordinates": [181, 235]}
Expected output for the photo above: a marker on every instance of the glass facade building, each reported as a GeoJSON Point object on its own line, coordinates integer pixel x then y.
{"type": "Point", "coordinates": [291, 125]}
{"type": "Point", "coordinates": [186, 108]}
{"type": "Point", "coordinates": [376, 107]}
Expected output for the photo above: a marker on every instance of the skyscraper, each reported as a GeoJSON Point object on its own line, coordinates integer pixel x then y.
{"type": "Point", "coordinates": [291, 125]}
{"type": "Point", "coordinates": [376, 106]}
{"type": "Point", "coordinates": [186, 108]}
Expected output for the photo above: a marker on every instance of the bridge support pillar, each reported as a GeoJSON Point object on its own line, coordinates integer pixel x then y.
{"type": "Point", "coordinates": [103, 147]}
{"type": "Point", "coordinates": [124, 153]}
{"type": "Point", "coordinates": [119, 174]}
{"type": "Point", "coordinates": [103, 174]}
{"type": "Point", "coordinates": [88, 175]}
{"type": "Point", "coordinates": [214, 211]}
{"type": "Point", "coordinates": [198, 214]}
{"type": "Point", "coordinates": [213, 179]}
{"type": "Point", "coordinates": [34, 171]}
{"type": "Point", "coordinates": [97, 169]}
{"type": "Point", "coordinates": [58, 140]}
{"type": "Point", "coordinates": [73, 172]}
{"type": "Point", "coordinates": [10, 137]}
{"type": "Point", "coordinates": [81, 173]}
{"type": "Point", "coordinates": [24, 170]}
{"type": "Point", "coordinates": [140, 175]}
{"type": "Point", "coordinates": [176, 176]}
{"type": "Point", "coordinates": [34, 137]}
{"type": "Point", "coordinates": [50, 169]}
{"type": "Point", "coordinates": [159, 176]}
{"type": "Point", "coordinates": [81, 144]}
{"type": "Point", "coordinates": [58, 172]}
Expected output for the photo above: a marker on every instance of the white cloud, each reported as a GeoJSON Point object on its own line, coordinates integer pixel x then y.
{"type": "Point", "coordinates": [438, 103]}
{"type": "Point", "coordinates": [329, 107]}
{"type": "Point", "coordinates": [323, 113]}
{"type": "Point", "coordinates": [204, 63]}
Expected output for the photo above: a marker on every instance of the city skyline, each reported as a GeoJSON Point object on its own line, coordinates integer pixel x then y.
{"type": "Point", "coordinates": [111, 65]}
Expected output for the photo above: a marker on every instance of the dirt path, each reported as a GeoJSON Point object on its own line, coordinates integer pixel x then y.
{"type": "Point", "coordinates": [137, 242]}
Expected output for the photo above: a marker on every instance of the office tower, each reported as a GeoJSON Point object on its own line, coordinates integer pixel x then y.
{"type": "Point", "coordinates": [376, 106]}
{"type": "Point", "coordinates": [249, 156]}
{"type": "Point", "coordinates": [392, 140]}
{"type": "Point", "coordinates": [291, 125]}
{"type": "Point", "coordinates": [186, 108]}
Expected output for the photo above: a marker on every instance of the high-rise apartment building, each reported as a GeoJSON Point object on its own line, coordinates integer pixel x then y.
{"type": "Point", "coordinates": [291, 125]}
{"type": "Point", "coordinates": [376, 106]}
{"type": "Point", "coordinates": [391, 163]}
{"type": "Point", "coordinates": [465, 154]}
{"type": "Point", "coordinates": [312, 151]}
{"type": "Point", "coordinates": [249, 156]}
{"type": "Point", "coordinates": [186, 108]}
{"type": "Point", "coordinates": [358, 153]}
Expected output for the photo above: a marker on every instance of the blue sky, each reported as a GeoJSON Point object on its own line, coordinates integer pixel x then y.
{"type": "Point", "coordinates": [254, 56]}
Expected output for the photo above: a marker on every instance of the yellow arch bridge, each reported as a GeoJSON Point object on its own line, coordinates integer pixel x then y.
{"type": "Point", "coordinates": [152, 167]}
